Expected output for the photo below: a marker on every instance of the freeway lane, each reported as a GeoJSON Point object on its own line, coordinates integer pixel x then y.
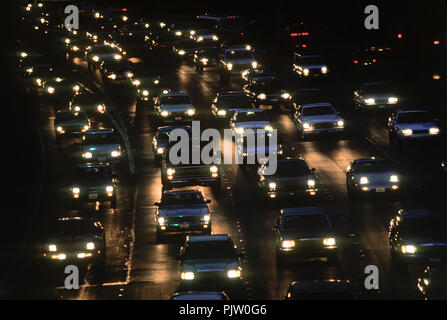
{"type": "Point", "coordinates": [139, 268]}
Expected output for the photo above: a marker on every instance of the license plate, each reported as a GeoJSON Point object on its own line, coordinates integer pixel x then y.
{"type": "Point", "coordinates": [381, 190]}
{"type": "Point", "coordinates": [93, 196]}
{"type": "Point", "coordinates": [382, 106]}
{"type": "Point", "coordinates": [178, 118]}
{"type": "Point", "coordinates": [316, 75]}
{"type": "Point", "coordinates": [274, 100]}
{"type": "Point", "coordinates": [434, 260]}
{"type": "Point", "coordinates": [184, 226]}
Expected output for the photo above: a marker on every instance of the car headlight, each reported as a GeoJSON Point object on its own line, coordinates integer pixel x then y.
{"type": "Point", "coordinates": [329, 242]}
{"type": "Point", "coordinates": [164, 113]}
{"type": "Point", "coordinates": [324, 69]}
{"type": "Point", "coordinates": [100, 107]}
{"type": "Point", "coordinates": [75, 48]}
{"type": "Point", "coordinates": [407, 132]}
{"type": "Point", "coordinates": [230, 66]}
{"type": "Point", "coordinates": [52, 248]}
{"type": "Point", "coordinates": [364, 180]}
{"type": "Point", "coordinates": [394, 178]}
{"type": "Point", "coordinates": [408, 249]}
{"type": "Point", "coordinates": [200, 39]}
{"type": "Point", "coordinates": [306, 72]}
{"type": "Point", "coordinates": [178, 33]}
{"type": "Point", "coordinates": [161, 220]}
{"type": "Point", "coordinates": [59, 129]}
{"type": "Point", "coordinates": [307, 126]}
{"type": "Point", "coordinates": [190, 112]}
{"type": "Point", "coordinates": [393, 100]}
{"type": "Point", "coordinates": [23, 54]}
{"type": "Point", "coordinates": [240, 130]}
{"type": "Point", "coordinates": [234, 274]}
{"type": "Point", "coordinates": [311, 183]}
{"type": "Point", "coordinates": [340, 123]}
{"type": "Point", "coordinates": [67, 41]}
{"type": "Point", "coordinates": [87, 155]}
{"type": "Point", "coordinates": [187, 275]}
{"type": "Point", "coordinates": [222, 112]}
{"type": "Point", "coordinates": [90, 246]}
{"type": "Point", "coordinates": [434, 131]}
{"type": "Point", "coordinates": [214, 169]}
{"type": "Point", "coordinates": [136, 83]}
{"type": "Point", "coordinates": [117, 57]}
{"type": "Point", "coordinates": [112, 76]}
{"type": "Point", "coordinates": [76, 88]}
{"type": "Point", "coordinates": [50, 90]}
{"type": "Point", "coordinates": [285, 95]}
{"type": "Point", "coordinates": [204, 60]}
{"type": "Point", "coordinates": [86, 127]}
{"type": "Point", "coordinates": [254, 64]}
{"type": "Point", "coordinates": [287, 244]}
{"type": "Point", "coordinates": [272, 185]}
{"type": "Point", "coordinates": [370, 101]}
{"type": "Point", "coordinates": [170, 171]}
{"type": "Point", "coordinates": [76, 190]}
{"type": "Point", "coordinates": [160, 150]}
{"type": "Point", "coordinates": [181, 52]}
{"type": "Point", "coordinates": [215, 38]}
{"type": "Point", "coordinates": [207, 218]}
{"type": "Point", "coordinates": [262, 96]}
{"type": "Point", "coordinates": [129, 75]}
{"type": "Point", "coordinates": [38, 82]}
{"type": "Point", "coordinates": [115, 154]}
{"type": "Point", "coordinates": [192, 32]}
{"type": "Point", "coordinates": [145, 93]}
{"type": "Point", "coordinates": [95, 58]}
{"type": "Point", "coordinates": [268, 128]}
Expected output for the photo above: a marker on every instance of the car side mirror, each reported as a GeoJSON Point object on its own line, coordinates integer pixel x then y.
{"type": "Point", "coordinates": [157, 204]}
{"type": "Point", "coordinates": [207, 201]}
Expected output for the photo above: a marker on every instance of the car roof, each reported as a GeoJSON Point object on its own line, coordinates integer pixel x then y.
{"type": "Point", "coordinates": [93, 165]}
{"type": "Point", "coordinates": [182, 192]}
{"type": "Point", "coordinates": [191, 295]}
{"type": "Point", "coordinates": [99, 131]}
{"type": "Point", "coordinates": [75, 219]}
{"type": "Point", "coordinates": [170, 128]}
{"type": "Point", "coordinates": [303, 211]}
{"type": "Point", "coordinates": [70, 111]}
{"type": "Point", "coordinates": [232, 93]}
{"type": "Point", "coordinates": [249, 110]}
{"type": "Point", "coordinates": [174, 94]}
{"type": "Point", "coordinates": [237, 48]}
{"type": "Point", "coordinates": [214, 237]}
{"type": "Point", "coordinates": [371, 160]}
{"type": "Point", "coordinates": [411, 110]}
{"type": "Point", "coordinates": [313, 105]}
{"type": "Point", "coordinates": [420, 213]}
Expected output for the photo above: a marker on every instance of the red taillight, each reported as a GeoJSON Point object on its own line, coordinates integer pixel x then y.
{"type": "Point", "coordinates": [355, 61]}
{"type": "Point", "coordinates": [436, 42]}
{"type": "Point", "coordinates": [374, 60]}
{"type": "Point", "coordinates": [400, 36]}
{"type": "Point", "coordinates": [124, 9]}
{"type": "Point", "coordinates": [304, 46]}
{"type": "Point", "coordinates": [242, 33]}
{"type": "Point", "coordinates": [305, 34]}
{"type": "Point", "coordinates": [294, 34]}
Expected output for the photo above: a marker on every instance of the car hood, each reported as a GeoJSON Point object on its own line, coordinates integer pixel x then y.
{"type": "Point", "coordinates": [240, 61]}
{"type": "Point", "coordinates": [313, 66]}
{"type": "Point", "coordinates": [322, 118]}
{"type": "Point", "coordinates": [187, 210]}
{"type": "Point", "coordinates": [176, 107]}
{"type": "Point", "coordinates": [98, 183]}
{"type": "Point", "coordinates": [417, 126]}
{"type": "Point", "coordinates": [375, 177]}
{"type": "Point", "coordinates": [428, 241]}
{"type": "Point", "coordinates": [209, 265]}
{"type": "Point", "coordinates": [299, 234]}
{"type": "Point", "coordinates": [101, 148]}
{"type": "Point", "coordinates": [253, 124]}
{"type": "Point", "coordinates": [378, 95]}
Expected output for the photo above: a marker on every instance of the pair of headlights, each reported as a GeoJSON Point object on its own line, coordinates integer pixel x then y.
{"type": "Point", "coordinates": [393, 178]}
{"type": "Point", "coordinates": [77, 190]}
{"type": "Point", "coordinates": [327, 242]}
{"type": "Point", "coordinates": [88, 246]}
{"type": "Point", "coordinates": [231, 274]}
{"type": "Point", "coordinates": [409, 132]}
{"type": "Point", "coordinates": [162, 220]}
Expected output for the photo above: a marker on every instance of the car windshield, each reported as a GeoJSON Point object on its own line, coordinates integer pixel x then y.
{"type": "Point", "coordinates": [292, 169]}
{"type": "Point", "coordinates": [267, 85]}
{"type": "Point", "coordinates": [101, 138]}
{"type": "Point", "coordinates": [424, 227]}
{"type": "Point", "coordinates": [174, 100]}
{"type": "Point", "coordinates": [210, 250]}
{"type": "Point", "coordinates": [414, 117]}
{"type": "Point", "coordinates": [373, 166]}
{"type": "Point", "coordinates": [339, 295]}
{"type": "Point", "coordinates": [376, 88]}
{"type": "Point", "coordinates": [240, 101]}
{"type": "Point", "coordinates": [181, 198]}
{"type": "Point", "coordinates": [71, 116]}
{"type": "Point", "coordinates": [239, 54]}
{"type": "Point", "coordinates": [72, 228]}
{"type": "Point", "coordinates": [93, 174]}
{"type": "Point", "coordinates": [306, 222]}
{"type": "Point", "coordinates": [251, 116]}
{"type": "Point", "coordinates": [317, 111]}
{"type": "Point", "coordinates": [312, 61]}
{"type": "Point", "coordinates": [163, 135]}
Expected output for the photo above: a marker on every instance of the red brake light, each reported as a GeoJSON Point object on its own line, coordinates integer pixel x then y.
{"type": "Point", "coordinates": [355, 61]}
{"type": "Point", "coordinates": [436, 42]}
{"type": "Point", "coordinates": [294, 34]}
{"type": "Point", "coordinates": [305, 34]}
{"type": "Point", "coordinates": [304, 45]}
{"type": "Point", "coordinates": [400, 36]}
{"type": "Point", "coordinates": [374, 60]}
{"type": "Point", "coordinates": [124, 9]}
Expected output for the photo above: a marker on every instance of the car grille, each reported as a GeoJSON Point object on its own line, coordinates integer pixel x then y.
{"type": "Point", "coordinates": [192, 172]}
{"type": "Point", "coordinates": [420, 131]}
{"type": "Point", "coordinates": [179, 220]}
{"type": "Point", "coordinates": [324, 125]}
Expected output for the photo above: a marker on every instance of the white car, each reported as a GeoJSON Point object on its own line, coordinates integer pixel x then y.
{"type": "Point", "coordinates": [174, 107]}
{"type": "Point", "coordinates": [244, 119]}
{"type": "Point", "coordinates": [373, 95]}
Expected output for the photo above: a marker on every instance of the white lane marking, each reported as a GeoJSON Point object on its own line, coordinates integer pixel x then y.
{"type": "Point", "coordinates": [132, 234]}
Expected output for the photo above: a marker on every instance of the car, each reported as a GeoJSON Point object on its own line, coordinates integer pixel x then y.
{"type": "Point", "coordinates": [182, 211]}
{"type": "Point", "coordinates": [431, 282]}
{"type": "Point", "coordinates": [96, 54]}
{"type": "Point", "coordinates": [318, 118]}
{"type": "Point", "coordinates": [234, 61]}
{"type": "Point", "coordinates": [209, 259]}
{"type": "Point", "coordinates": [160, 141]}
{"type": "Point", "coordinates": [70, 122]}
{"type": "Point", "coordinates": [174, 107]}
{"type": "Point", "coordinates": [91, 103]}
{"type": "Point", "coordinates": [117, 72]}
{"type": "Point", "coordinates": [305, 232]}
{"type": "Point", "coordinates": [227, 102]}
{"type": "Point", "coordinates": [245, 119]}
{"type": "Point", "coordinates": [293, 178]}
{"type": "Point", "coordinates": [310, 65]}
{"type": "Point", "coordinates": [61, 87]}
{"type": "Point", "coordinates": [161, 41]}
{"type": "Point", "coordinates": [182, 174]}
{"type": "Point", "coordinates": [74, 240]}
{"type": "Point", "coordinates": [412, 125]}
{"type": "Point", "coordinates": [182, 29]}
{"type": "Point", "coordinates": [198, 295]}
{"type": "Point", "coordinates": [149, 87]}
{"type": "Point", "coordinates": [268, 92]}
{"type": "Point", "coordinates": [375, 95]}
{"type": "Point", "coordinates": [76, 47]}
{"type": "Point", "coordinates": [296, 35]}
{"type": "Point", "coordinates": [94, 182]}
{"type": "Point", "coordinates": [205, 38]}
{"type": "Point", "coordinates": [38, 75]}
{"type": "Point", "coordinates": [367, 59]}
{"type": "Point", "coordinates": [306, 96]}
{"type": "Point", "coordinates": [257, 149]}
{"type": "Point", "coordinates": [373, 175]}
{"type": "Point", "coordinates": [331, 289]}
{"type": "Point", "coordinates": [101, 145]}
{"type": "Point", "coordinates": [185, 48]}
{"type": "Point", "coordinates": [206, 58]}
{"type": "Point", "coordinates": [417, 236]}
{"type": "Point", "coordinates": [252, 74]}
